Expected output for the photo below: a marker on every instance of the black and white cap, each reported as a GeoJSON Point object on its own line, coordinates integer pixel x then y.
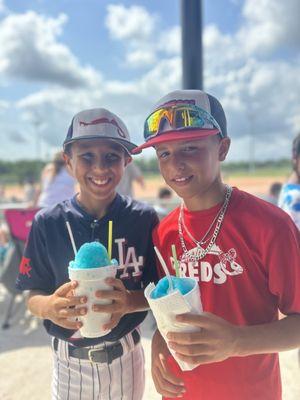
{"type": "Point", "coordinates": [99, 123]}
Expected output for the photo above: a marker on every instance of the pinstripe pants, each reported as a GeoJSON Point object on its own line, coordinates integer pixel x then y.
{"type": "Point", "coordinates": [75, 379]}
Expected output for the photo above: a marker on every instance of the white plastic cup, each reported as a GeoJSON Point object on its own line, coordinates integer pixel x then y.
{"type": "Point", "coordinates": [89, 281]}
{"type": "Point", "coordinates": [167, 307]}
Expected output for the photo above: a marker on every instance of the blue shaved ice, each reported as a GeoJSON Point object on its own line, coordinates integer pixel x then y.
{"type": "Point", "coordinates": [92, 255]}
{"type": "Point", "coordinates": [181, 284]}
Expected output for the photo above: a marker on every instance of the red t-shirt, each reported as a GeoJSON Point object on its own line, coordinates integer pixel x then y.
{"type": "Point", "coordinates": [252, 271]}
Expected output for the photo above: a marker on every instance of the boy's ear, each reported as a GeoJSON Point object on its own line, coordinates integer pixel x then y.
{"type": "Point", "coordinates": [68, 163]}
{"type": "Point", "coordinates": [128, 160]}
{"type": "Point", "coordinates": [224, 148]}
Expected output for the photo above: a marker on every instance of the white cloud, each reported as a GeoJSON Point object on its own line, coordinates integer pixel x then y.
{"type": "Point", "coordinates": [270, 24]}
{"type": "Point", "coordinates": [295, 121]}
{"type": "Point", "coordinates": [266, 93]}
{"type": "Point", "coordinates": [140, 58]}
{"type": "Point", "coordinates": [164, 77]}
{"type": "Point", "coordinates": [132, 23]}
{"type": "Point", "coordinates": [221, 50]}
{"type": "Point", "coordinates": [260, 93]}
{"type": "Point", "coordinates": [139, 31]}
{"type": "Point", "coordinates": [3, 105]}
{"type": "Point", "coordinates": [29, 50]}
{"type": "Point", "coordinates": [135, 27]}
{"type": "Point", "coordinates": [170, 41]}
{"type": "Point", "coordinates": [53, 108]}
{"type": "Point", "coordinates": [3, 7]}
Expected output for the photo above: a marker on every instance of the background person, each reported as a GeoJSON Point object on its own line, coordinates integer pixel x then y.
{"type": "Point", "coordinates": [56, 183]}
{"type": "Point", "coordinates": [163, 202]}
{"type": "Point", "coordinates": [289, 199]}
{"type": "Point", "coordinates": [273, 194]}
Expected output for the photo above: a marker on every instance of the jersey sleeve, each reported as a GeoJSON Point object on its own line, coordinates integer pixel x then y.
{"type": "Point", "coordinates": [34, 271]}
{"type": "Point", "coordinates": [150, 272]}
{"type": "Point", "coordinates": [283, 258]}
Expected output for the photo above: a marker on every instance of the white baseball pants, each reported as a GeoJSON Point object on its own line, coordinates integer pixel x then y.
{"type": "Point", "coordinates": [77, 379]}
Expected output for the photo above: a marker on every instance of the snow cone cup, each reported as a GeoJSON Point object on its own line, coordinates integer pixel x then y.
{"type": "Point", "coordinates": [167, 307]}
{"type": "Point", "coordinates": [89, 281]}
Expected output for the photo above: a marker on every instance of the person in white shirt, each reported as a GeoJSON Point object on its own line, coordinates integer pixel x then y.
{"type": "Point", "coordinates": [289, 199]}
{"type": "Point", "coordinates": [56, 183]}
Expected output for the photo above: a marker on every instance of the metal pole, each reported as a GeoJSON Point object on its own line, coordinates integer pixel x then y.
{"type": "Point", "coordinates": [191, 41]}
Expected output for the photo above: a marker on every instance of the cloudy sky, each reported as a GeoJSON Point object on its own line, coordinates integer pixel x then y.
{"type": "Point", "coordinates": [59, 57]}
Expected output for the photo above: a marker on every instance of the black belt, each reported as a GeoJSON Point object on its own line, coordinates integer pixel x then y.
{"type": "Point", "coordinates": [103, 355]}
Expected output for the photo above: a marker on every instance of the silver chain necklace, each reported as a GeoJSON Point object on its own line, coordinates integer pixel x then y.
{"type": "Point", "coordinates": [200, 252]}
{"type": "Point", "coordinates": [203, 240]}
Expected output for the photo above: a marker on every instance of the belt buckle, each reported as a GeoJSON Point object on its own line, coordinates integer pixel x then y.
{"type": "Point", "coordinates": [104, 355]}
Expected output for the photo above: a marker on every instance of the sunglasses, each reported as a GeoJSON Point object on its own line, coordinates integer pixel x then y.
{"type": "Point", "coordinates": [183, 116]}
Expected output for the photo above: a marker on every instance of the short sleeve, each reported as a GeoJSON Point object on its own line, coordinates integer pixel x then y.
{"type": "Point", "coordinates": [283, 259]}
{"type": "Point", "coordinates": [35, 271]}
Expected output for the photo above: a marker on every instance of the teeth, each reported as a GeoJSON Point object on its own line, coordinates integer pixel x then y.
{"type": "Point", "coordinates": [99, 181]}
{"type": "Point", "coordinates": [181, 179]}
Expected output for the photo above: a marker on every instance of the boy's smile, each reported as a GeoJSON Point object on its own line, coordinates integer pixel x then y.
{"type": "Point", "coordinates": [98, 165]}
{"type": "Point", "coordinates": [182, 181]}
{"type": "Point", "coordinates": [99, 182]}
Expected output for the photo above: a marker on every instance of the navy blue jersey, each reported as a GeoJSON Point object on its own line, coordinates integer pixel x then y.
{"type": "Point", "coordinates": [49, 251]}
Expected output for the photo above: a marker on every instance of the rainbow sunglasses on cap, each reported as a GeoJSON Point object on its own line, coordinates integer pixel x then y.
{"type": "Point", "coordinates": [181, 116]}
{"type": "Point", "coordinates": [188, 114]}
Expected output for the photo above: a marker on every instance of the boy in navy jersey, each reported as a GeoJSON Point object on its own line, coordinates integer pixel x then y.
{"type": "Point", "coordinates": [96, 150]}
{"type": "Point", "coordinates": [243, 251]}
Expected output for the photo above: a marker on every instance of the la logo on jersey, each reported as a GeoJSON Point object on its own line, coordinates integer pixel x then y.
{"type": "Point", "coordinates": [205, 271]}
{"type": "Point", "coordinates": [129, 263]}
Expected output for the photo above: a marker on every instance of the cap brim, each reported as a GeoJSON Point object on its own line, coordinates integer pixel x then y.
{"type": "Point", "coordinates": [128, 146]}
{"type": "Point", "coordinates": [171, 136]}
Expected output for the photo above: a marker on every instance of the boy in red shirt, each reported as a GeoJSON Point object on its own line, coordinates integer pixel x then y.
{"type": "Point", "coordinates": [243, 251]}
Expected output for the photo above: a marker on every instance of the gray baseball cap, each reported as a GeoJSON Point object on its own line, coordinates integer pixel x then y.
{"type": "Point", "coordinates": [99, 123]}
{"type": "Point", "coordinates": [204, 109]}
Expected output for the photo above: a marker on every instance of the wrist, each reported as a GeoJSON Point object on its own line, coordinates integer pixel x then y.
{"type": "Point", "coordinates": [37, 303]}
{"type": "Point", "coordinates": [44, 310]}
{"type": "Point", "coordinates": [237, 340]}
{"type": "Point", "coordinates": [246, 340]}
{"type": "Point", "coordinates": [136, 301]}
{"type": "Point", "coordinates": [158, 343]}
{"type": "Point", "coordinates": [157, 337]}
{"type": "Point", "coordinates": [129, 302]}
